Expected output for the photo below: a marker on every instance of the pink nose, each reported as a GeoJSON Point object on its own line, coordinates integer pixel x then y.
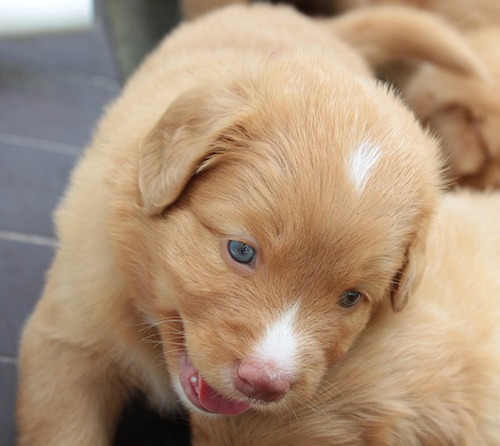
{"type": "Point", "coordinates": [254, 381]}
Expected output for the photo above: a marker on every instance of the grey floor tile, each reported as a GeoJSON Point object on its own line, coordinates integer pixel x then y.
{"type": "Point", "coordinates": [22, 275]}
{"type": "Point", "coordinates": [31, 184]}
{"type": "Point", "coordinates": [8, 379]}
{"type": "Point", "coordinates": [50, 108]}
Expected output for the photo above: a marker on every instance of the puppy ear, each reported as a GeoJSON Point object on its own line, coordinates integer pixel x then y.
{"type": "Point", "coordinates": [179, 143]}
{"type": "Point", "coordinates": [408, 277]}
{"type": "Point", "coordinates": [460, 134]}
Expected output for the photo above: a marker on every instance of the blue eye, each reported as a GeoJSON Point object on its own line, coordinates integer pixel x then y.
{"type": "Point", "coordinates": [350, 298]}
{"type": "Point", "coordinates": [241, 252]}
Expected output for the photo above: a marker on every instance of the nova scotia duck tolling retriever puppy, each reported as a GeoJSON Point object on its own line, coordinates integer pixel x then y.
{"type": "Point", "coordinates": [244, 209]}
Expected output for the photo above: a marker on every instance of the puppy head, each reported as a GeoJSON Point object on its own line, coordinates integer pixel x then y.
{"type": "Point", "coordinates": [465, 113]}
{"type": "Point", "coordinates": [282, 207]}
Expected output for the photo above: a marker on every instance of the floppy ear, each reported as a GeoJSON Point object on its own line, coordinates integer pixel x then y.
{"type": "Point", "coordinates": [179, 142]}
{"type": "Point", "coordinates": [461, 135]}
{"type": "Point", "coordinates": [407, 279]}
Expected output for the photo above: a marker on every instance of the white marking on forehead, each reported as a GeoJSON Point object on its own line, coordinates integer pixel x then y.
{"type": "Point", "coordinates": [361, 163]}
{"type": "Point", "coordinates": [279, 346]}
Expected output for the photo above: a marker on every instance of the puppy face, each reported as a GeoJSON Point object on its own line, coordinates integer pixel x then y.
{"type": "Point", "coordinates": [464, 113]}
{"type": "Point", "coordinates": [279, 209]}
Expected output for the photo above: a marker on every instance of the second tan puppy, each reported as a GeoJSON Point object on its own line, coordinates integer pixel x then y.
{"type": "Point", "coordinates": [245, 207]}
{"type": "Point", "coordinates": [463, 112]}
{"type": "Point", "coordinates": [429, 375]}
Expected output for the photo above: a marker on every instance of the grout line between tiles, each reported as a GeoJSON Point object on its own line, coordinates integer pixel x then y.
{"type": "Point", "coordinates": [40, 144]}
{"type": "Point", "coordinates": [93, 80]}
{"type": "Point", "coordinates": [33, 239]}
{"type": "Point", "coordinates": [7, 360]}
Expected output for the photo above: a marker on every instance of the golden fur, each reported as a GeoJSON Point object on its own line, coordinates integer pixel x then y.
{"type": "Point", "coordinates": [429, 375]}
{"type": "Point", "coordinates": [252, 124]}
{"type": "Point", "coordinates": [464, 14]}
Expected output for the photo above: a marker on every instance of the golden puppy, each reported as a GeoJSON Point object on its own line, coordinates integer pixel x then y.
{"type": "Point", "coordinates": [246, 205]}
{"type": "Point", "coordinates": [429, 375]}
{"type": "Point", "coordinates": [463, 112]}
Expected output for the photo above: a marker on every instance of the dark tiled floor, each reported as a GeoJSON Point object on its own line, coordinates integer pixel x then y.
{"type": "Point", "coordinates": [52, 91]}
{"type": "Point", "coordinates": [7, 398]}
{"type": "Point", "coordinates": [41, 105]}
{"type": "Point", "coordinates": [24, 170]}
{"type": "Point", "coordinates": [23, 263]}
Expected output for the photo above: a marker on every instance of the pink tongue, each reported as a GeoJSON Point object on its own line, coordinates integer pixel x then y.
{"type": "Point", "coordinates": [214, 402]}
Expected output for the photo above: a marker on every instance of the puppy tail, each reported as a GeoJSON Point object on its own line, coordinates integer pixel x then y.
{"type": "Point", "coordinates": [393, 33]}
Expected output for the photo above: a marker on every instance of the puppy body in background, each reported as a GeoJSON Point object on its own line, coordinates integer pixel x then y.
{"type": "Point", "coordinates": [429, 375]}
{"type": "Point", "coordinates": [246, 205]}
{"type": "Point", "coordinates": [463, 112]}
